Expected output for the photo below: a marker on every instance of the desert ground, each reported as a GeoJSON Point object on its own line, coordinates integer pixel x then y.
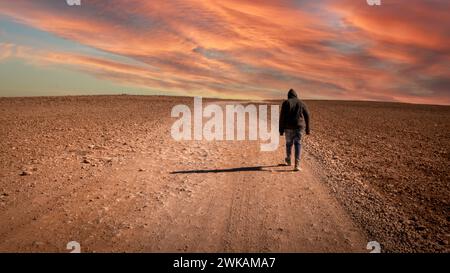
{"type": "Point", "coordinates": [104, 171]}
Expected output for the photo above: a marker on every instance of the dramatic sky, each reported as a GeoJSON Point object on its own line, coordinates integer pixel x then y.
{"type": "Point", "coordinates": [327, 49]}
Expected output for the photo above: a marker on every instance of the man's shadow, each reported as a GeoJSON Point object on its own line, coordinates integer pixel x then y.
{"type": "Point", "coordinates": [241, 169]}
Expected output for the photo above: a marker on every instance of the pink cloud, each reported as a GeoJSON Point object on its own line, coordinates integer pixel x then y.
{"type": "Point", "coordinates": [332, 49]}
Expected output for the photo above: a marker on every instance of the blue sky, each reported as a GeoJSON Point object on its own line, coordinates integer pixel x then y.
{"type": "Point", "coordinates": [341, 49]}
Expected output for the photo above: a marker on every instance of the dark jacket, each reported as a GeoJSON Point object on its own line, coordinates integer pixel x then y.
{"type": "Point", "coordinates": [294, 114]}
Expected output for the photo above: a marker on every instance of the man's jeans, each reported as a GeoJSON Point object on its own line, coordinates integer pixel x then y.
{"type": "Point", "coordinates": [293, 136]}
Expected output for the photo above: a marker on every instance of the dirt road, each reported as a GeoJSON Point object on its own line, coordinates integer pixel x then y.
{"type": "Point", "coordinates": [124, 189]}
{"type": "Point", "coordinates": [244, 202]}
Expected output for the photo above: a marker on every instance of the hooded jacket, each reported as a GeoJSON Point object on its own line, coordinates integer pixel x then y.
{"type": "Point", "coordinates": [294, 114]}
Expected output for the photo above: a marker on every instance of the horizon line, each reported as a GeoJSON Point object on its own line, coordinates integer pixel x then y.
{"type": "Point", "coordinates": [218, 98]}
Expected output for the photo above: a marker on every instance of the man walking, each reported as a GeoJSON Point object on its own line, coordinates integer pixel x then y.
{"type": "Point", "coordinates": [294, 117]}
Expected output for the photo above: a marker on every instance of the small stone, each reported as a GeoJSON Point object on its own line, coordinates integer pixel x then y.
{"type": "Point", "coordinates": [420, 228]}
{"type": "Point", "coordinates": [25, 173]}
{"type": "Point", "coordinates": [38, 243]}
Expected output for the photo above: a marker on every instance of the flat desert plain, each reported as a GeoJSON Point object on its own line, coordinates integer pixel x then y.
{"type": "Point", "coordinates": [104, 171]}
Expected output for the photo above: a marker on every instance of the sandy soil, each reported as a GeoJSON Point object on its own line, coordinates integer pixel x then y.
{"type": "Point", "coordinates": [104, 171]}
{"type": "Point", "coordinates": [389, 165]}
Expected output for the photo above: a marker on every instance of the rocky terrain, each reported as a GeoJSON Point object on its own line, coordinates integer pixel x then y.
{"type": "Point", "coordinates": [389, 165]}
{"type": "Point", "coordinates": [105, 172]}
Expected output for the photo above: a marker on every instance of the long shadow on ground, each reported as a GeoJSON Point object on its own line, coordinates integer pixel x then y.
{"type": "Point", "coordinates": [240, 169]}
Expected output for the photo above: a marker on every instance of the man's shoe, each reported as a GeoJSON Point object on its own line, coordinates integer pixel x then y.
{"type": "Point", "coordinates": [288, 161]}
{"type": "Point", "coordinates": [297, 166]}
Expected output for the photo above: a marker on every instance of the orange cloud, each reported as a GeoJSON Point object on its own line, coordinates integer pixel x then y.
{"type": "Point", "coordinates": [328, 49]}
{"type": "Point", "coordinates": [6, 50]}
